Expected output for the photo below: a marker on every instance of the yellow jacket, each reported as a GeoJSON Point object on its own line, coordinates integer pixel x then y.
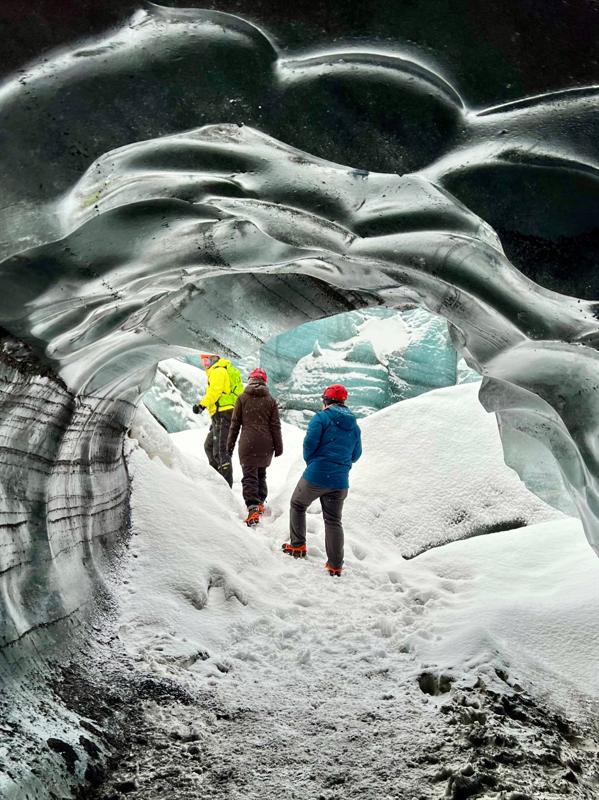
{"type": "Point", "coordinates": [218, 395]}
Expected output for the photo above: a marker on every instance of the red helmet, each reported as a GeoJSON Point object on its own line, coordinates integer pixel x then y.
{"type": "Point", "coordinates": [208, 359]}
{"type": "Point", "coordinates": [258, 373]}
{"type": "Point", "coordinates": [336, 392]}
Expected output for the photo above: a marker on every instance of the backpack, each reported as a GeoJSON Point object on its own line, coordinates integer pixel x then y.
{"type": "Point", "coordinates": [235, 380]}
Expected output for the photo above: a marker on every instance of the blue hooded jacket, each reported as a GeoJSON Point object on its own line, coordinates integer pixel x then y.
{"type": "Point", "coordinates": [332, 444]}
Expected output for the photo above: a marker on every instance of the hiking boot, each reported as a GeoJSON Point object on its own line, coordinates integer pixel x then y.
{"type": "Point", "coordinates": [297, 551]}
{"type": "Point", "coordinates": [333, 570]}
{"type": "Point", "coordinates": [253, 517]}
{"type": "Point", "coordinates": [261, 508]}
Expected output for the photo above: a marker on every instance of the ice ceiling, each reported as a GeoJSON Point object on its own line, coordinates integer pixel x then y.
{"type": "Point", "coordinates": [180, 182]}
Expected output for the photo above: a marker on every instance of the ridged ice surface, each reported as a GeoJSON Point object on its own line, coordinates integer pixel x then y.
{"type": "Point", "coordinates": [181, 183]}
{"type": "Point", "coordinates": [64, 495]}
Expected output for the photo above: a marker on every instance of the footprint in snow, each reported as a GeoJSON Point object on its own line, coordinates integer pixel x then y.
{"type": "Point", "coordinates": [359, 552]}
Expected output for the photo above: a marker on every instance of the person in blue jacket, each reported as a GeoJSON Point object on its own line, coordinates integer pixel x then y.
{"type": "Point", "coordinates": [331, 445]}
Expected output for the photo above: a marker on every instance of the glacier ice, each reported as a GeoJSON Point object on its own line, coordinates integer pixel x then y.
{"type": "Point", "coordinates": [466, 374]}
{"type": "Point", "coordinates": [167, 186]}
{"type": "Point", "coordinates": [536, 466]}
{"type": "Point", "coordinates": [381, 355]}
{"type": "Point", "coordinates": [176, 387]}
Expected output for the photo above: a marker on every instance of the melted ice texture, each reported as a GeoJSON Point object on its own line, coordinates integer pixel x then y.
{"type": "Point", "coordinates": [180, 183]}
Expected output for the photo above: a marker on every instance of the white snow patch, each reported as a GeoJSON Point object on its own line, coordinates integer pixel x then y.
{"type": "Point", "coordinates": [526, 598]}
{"type": "Point", "coordinates": [387, 335]}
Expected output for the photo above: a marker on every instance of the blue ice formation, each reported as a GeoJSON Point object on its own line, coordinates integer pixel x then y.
{"type": "Point", "coordinates": [381, 355]}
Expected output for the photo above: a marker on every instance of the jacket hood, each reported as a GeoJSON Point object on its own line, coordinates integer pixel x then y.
{"type": "Point", "coordinates": [222, 362]}
{"type": "Point", "coordinates": [256, 388]}
{"type": "Point", "coordinates": [341, 416]}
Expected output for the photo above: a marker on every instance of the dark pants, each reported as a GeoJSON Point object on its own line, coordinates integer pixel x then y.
{"type": "Point", "coordinates": [255, 490]}
{"type": "Point", "coordinates": [331, 501]}
{"type": "Point", "coordinates": [216, 445]}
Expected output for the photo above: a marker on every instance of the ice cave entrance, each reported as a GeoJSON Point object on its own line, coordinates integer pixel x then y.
{"type": "Point", "coordinates": [382, 355]}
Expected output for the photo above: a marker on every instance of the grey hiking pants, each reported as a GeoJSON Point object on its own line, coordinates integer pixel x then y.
{"type": "Point", "coordinates": [331, 501]}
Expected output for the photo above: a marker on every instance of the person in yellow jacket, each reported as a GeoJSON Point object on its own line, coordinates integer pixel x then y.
{"type": "Point", "coordinates": [224, 387]}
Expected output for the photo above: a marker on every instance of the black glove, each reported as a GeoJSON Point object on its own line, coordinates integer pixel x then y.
{"type": "Point", "coordinates": [198, 409]}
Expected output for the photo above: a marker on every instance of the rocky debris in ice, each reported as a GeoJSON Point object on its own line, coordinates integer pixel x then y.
{"type": "Point", "coordinates": [316, 739]}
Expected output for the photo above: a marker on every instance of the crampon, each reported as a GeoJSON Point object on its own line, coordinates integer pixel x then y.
{"type": "Point", "coordinates": [253, 517]}
{"type": "Point", "coordinates": [297, 551]}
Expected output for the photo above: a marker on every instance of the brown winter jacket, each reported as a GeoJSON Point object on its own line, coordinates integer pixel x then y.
{"type": "Point", "coordinates": [257, 414]}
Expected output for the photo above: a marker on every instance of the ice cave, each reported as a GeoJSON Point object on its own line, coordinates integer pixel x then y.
{"type": "Point", "coordinates": [399, 196]}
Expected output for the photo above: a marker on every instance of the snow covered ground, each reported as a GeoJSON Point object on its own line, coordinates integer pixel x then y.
{"type": "Point", "coordinates": [358, 667]}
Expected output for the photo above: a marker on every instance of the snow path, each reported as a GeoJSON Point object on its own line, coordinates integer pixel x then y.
{"type": "Point", "coordinates": [324, 702]}
{"type": "Point", "coordinates": [315, 679]}
{"type": "Point", "coordinates": [316, 690]}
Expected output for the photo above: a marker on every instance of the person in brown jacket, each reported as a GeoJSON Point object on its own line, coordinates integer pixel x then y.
{"type": "Point", "coordinates": [256, 414]}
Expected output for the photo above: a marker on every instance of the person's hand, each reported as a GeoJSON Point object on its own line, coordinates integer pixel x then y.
{"type": "Point", "coordinates": [280, 453]}
{"type": "Point", "coordinates": [198, 409]}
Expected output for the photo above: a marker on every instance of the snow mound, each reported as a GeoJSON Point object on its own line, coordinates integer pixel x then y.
{"type": "Point", "coordinates": [525, 598]}
{"type": "Point", "coordinates": [433, 472]}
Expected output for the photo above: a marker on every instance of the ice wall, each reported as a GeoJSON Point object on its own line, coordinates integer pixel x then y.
{"type": "Point", "coordinates": [181, 182]}
{"type": "Point", "coordinates": [64, 500]}
{"type": "Point", "coordinates": [381, 355]}
{"type": "Point", "coordinates": [176, 387]}
{"type": "Point", "coordinates": [64, 493]}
